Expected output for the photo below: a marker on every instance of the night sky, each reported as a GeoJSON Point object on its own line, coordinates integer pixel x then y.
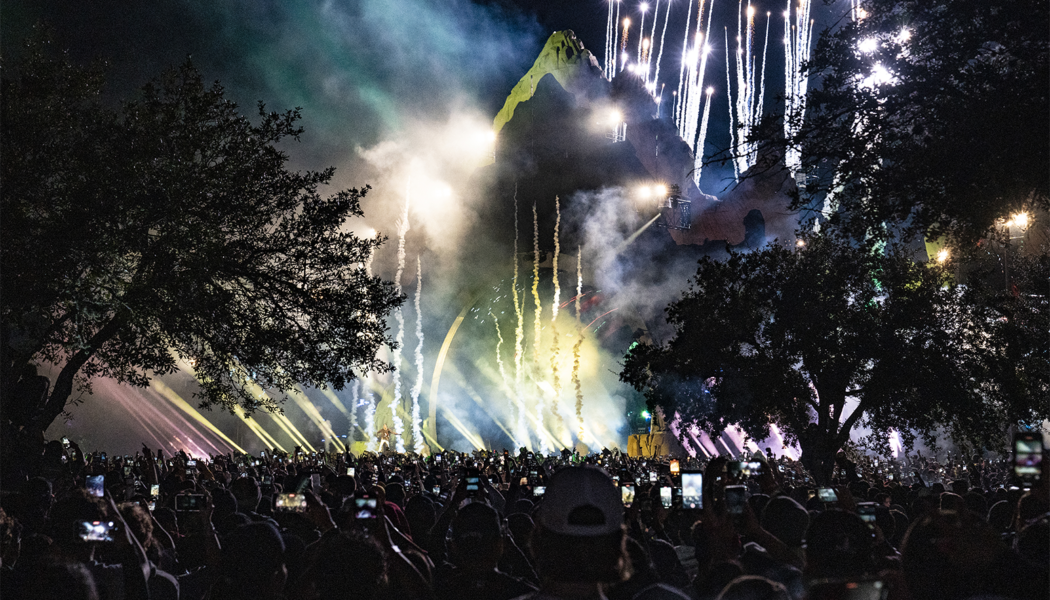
{"type": "Point", "coordinates": [361, 70]}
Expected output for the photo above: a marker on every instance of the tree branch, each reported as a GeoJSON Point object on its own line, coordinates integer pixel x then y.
{"type": "Point", "coordinates": [56, 402]}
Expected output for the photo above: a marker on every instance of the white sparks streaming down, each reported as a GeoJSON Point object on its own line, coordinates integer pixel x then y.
{"type": "Point", "coordinates": [417, 426]}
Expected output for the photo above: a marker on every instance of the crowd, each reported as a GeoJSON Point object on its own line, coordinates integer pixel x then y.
{"type": "Point", "coordinates": [501, 525]}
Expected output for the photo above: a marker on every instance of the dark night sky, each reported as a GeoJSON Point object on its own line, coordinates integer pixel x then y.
{"type": "Point", "coordinates": [360, 69]}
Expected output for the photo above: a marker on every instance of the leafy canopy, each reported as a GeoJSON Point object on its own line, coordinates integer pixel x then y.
{"type": "Point", "coordinates": [786, 335]}
{"type": "Point", "coordinates": [932, 115]}
{"type": "Point", "coordinates": [172, 227]}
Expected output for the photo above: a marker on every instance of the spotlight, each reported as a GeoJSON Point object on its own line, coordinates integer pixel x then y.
{"type": "Point", "coordinates": [943, 255]}
{"type": "Point", "coordinates": [1019, 220]}
{"type": "Point", "coordinates": [661, 190]}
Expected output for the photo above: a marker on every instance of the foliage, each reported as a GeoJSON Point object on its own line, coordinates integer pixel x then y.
{"type": "Point", "coordinates": [929, 115]}
{"type": "Point", "coordinates": [171, 228]}
{"type": "Point", "coordinates": [824, 337]}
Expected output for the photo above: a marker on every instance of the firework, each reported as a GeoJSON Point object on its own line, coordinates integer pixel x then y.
{"type": "Point", "coordinates": [797, 40]}
{"type": "Point", "coordinates": [537, 328]}
{"type": "Point", "coordinates": [399, 316]}
{"type": "Point", "coordinates": [554, 308]}
{"type": "Point", "coordinates": [417, 429]}
{"type": "Point", "coordinates": [576, 346]}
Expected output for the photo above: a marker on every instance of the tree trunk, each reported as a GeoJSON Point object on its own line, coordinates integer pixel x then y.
{"type": "Point", "coordinates": [818, 454]}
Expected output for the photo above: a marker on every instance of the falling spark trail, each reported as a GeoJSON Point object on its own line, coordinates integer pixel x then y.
{"type": "Point", "coordinates": [681, 68]}
{"type": "Point", "coordinates": [576, 346]}
{"type": "Point", "coordinates": [652, 44]}
{"type": "Point", "coordinates": [554, 309]}
{"type": "Point", "coordinates": [698, 158]}
{"type": "Point", "coordinates": [797, 42]}
{"type": "Point", "coordinates": [417, 426]}
{"type": "Point", "coordinates": [399, 316]}
{"type": "Point", "coordinates": [609, 40]}
{"type": "Point", "coordinates": [660, 55]}
{"type": "Point", "coordinates": [641, 36]}
{"type": "Point", "coordinates": [499, 355]}
{"type": "Point", "coordinates": [519, 333]}
{"type": "Point", "coordinates": [762, 78]}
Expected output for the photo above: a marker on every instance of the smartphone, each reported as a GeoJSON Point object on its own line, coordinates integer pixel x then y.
{"type": "Point", "coordinates": [65, 442]}
{"type": "Point", "coordinates": [627, 493]}
{"type": "Point", "coordinates": [437, 458]}
{"type": "Point", "coordinates": [1028, 456]}
{"type": "Point", "coordinates": [152, 506]}
{"type": "Point", "coordinates": [652, 476]}
{"type": "Point", "coordinates": [290, 503]}
{"type": "Point", "coordinates": [753, 468]}
{"type": "Point", "coordinates": [827, 495]}
{"type": "Point", "coordinates": [351, 471]}
{"type": "Point", "coordinates": [473, 485]}
{"type": "Point", "coordinates": [665, 497]}
{"type": "Point", "coordinates": [154, 490]}
{"type": "Point", "coordinates": [267, 480]}
{"type": "Point", "coordinates": [436, 490]}
{"type": "Point", "coordinates": [539, 490]}
{"type": "Point", "coordinates": [102, 457]}
{"type": "Point", "coordinates": [262, 454]}
{"type": "Point", "coordinates": [189, 502]}
{"type": "Point", "coordinates": [674, 467]}
{"type": "Point", "coordinates": [736, 496]}
{"type": "Point", "coordinates": [365, 508]}
{"type": "Point", "coordinates": [529, 456]}
{"type": "Point", "coordinates": [850, 589]}
{"type": "Point", "coordinates": [96, 485]}
{"type": "Point", "coordinates": [692, 489]}
{"type": "Point", "coordinates": [95, 531]}
{"type": "Point", "coordinates": [191, 464]}
{"type": "Point", "coordinates": [127, 471]}
{"type": "Point", "coordinates": [866, 510]}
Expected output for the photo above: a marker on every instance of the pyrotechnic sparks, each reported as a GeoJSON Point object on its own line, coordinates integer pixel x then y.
{"type": "Point", "coordinates": [576, 346]}
{"type": "Point", "coordinates": [797, 40]}
{"type": "Point", "coordinates": [399, 316]}
{"type": "Point", "coordinates": [641, 31]}
{"type": "Point", "coordinates": [541, 410]}
{"type": "Point", "coordinates": [745, 112]}
{"type": "Point", "coordinates": [663, 34]}
{"type": "Point", "coordinates": [554, 308]}
{"type": "Point", "coordinates": [417, 426]}
{"type": "Point", "coordinates": [355, 395]}
{"type": "Point", "coordinates": [519, 332]}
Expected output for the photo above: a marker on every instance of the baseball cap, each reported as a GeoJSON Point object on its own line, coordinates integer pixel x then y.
{"type": "Point", "coordinates": [581, 501]}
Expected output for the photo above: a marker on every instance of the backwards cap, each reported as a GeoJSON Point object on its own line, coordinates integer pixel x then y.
{"type": "Point", "coordinates": [581, 501]}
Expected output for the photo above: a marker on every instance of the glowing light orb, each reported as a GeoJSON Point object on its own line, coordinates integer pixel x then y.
{"type": "Point", "coordinates": [645, 191]}
{"type": "Point", "coordinates": [868, 45]}
{"type": "Point", "coordinates": [645, 43]}
{"type": "Point", "coordinates": [861, 14]}
{"type": "Point", "coordinates": [644, 7]}
{"type": "Point", "coordinates": [943, 255]}
{"type": "Point", "coordinates": [626, 22]}
{"type": "Point", "coordinates": [750, 11]}
{"type": "Point", "coordinates": [710, 91]}
{"type": "Point", "coordinates": [905, 35]}
{"type": "Point", "coordinates": [615, 116]}
{"type": "Point", "coordinates": [661, 190]}
{"type": "Point", "coordinates": [800, 243]}
{"type": "Point", "coordinates": [1019, 220]}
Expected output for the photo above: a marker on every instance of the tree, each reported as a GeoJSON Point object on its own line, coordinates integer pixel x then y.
{"type": "Point", "coordinates": [929, 115]}
{"type": "Point", "coordinates": [168, 229]}
{"type": "Point", "coordinates": [825, 337]}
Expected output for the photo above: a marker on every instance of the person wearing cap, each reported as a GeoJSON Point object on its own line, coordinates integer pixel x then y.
{"type": "Point", "coordinates": [578, 543]}
{"type": "Point", "coordinates": [477, 546]}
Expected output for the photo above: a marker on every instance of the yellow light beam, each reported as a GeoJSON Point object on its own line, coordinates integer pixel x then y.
{"type": "Point", "coordinates": [336, 402]}
{"type": "Point", "coordinates": [439, 364]}
{"type": "Point", "coordinates": [477, 399]}
{"type": "Point", "coordinates": [170, 395]}
{"type": "Point", "coordinates": [299, 397]}
{"type": "Point", "coordinates": [258, 430]}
